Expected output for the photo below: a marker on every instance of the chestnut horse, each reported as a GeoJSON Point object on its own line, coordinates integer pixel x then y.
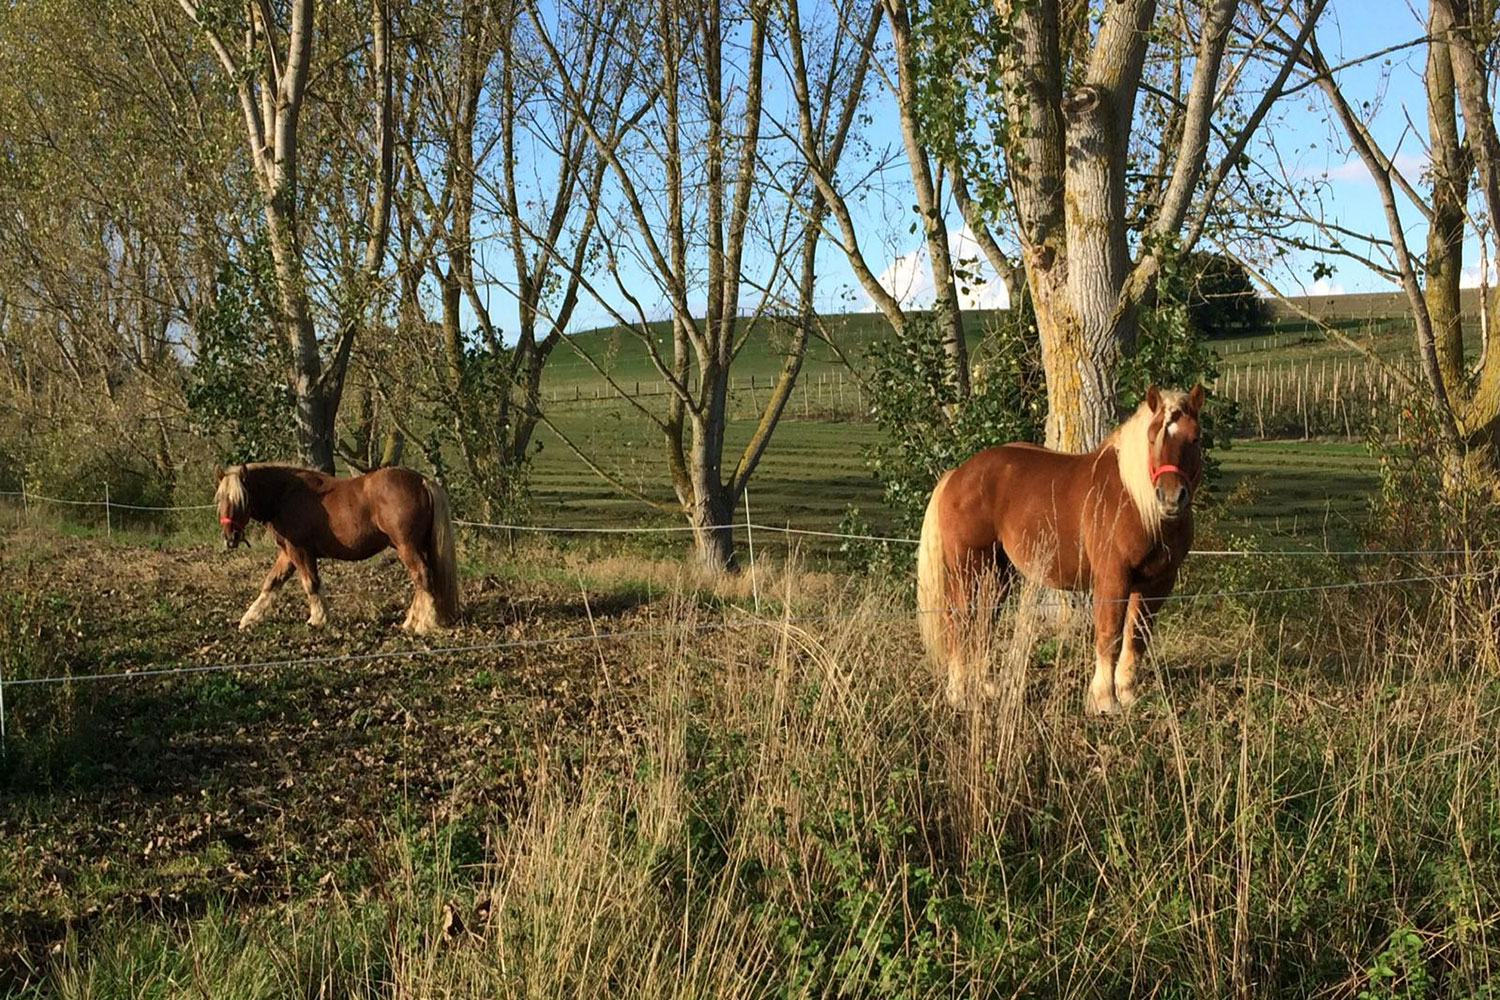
{"type": "Point", "coordinates": [311, 514]}
{"type": "Point", "coordinates": [1117, 521]}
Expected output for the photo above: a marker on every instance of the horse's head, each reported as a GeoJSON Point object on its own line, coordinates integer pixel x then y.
{"type": "Point", "coordinates": [233, 504]}
{"type": "Point", "coordinates": [1175, 449]}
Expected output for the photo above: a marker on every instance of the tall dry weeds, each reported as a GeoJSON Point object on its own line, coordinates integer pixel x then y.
{"type": "Point", "coordinates": [1305, 803]}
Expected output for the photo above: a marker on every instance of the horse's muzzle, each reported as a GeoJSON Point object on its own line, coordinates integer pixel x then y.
{"type": "Point", "coordinates": [1174, 504]}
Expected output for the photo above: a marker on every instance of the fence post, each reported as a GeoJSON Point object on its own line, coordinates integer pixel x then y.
{"type": "Point", "coordinates": [750, 541]}
{"type": "Point", "coordinates": [109, 528]}
{"type": "Point", "coordinates": [25, 503]}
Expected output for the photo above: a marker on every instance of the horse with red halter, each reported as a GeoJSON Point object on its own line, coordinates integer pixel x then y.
{"type": "Point", "coordinates": [313, 515]}
{"type": "Point", "coordinates": [1116, 521]}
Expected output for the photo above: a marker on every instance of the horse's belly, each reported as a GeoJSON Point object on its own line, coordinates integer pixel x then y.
{"type": "Point", "coordinates": [361, 546]}
{"type": "Point", "coordinates": [1043, 558]}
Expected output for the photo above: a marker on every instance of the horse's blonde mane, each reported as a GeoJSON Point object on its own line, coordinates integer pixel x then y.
{"type": "Point", "coordinates": [1133, 452]}
{"type": "Point", "coordinates": [231, 490]}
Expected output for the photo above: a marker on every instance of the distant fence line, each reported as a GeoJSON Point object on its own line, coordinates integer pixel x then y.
{"type": "Point", "coordinates": [823, 395]}
{"type": "Point", "coordinates": [1325, 398]}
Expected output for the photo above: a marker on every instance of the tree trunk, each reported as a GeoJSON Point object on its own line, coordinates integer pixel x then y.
{"type": "Point", "coordinates": [314, 416]}
{"type": "Point", "coordinates": [712, 520]}
{"type": "Point", "coordinates": [945, 310]}
{"type": "Point", "coordinates": [1450, 188]}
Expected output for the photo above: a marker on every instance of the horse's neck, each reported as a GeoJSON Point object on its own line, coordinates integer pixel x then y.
{"type": "Point", "coordinates": [267, 487]}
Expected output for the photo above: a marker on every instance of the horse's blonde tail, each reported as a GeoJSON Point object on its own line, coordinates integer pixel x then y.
{"type": "Point", "coordinates": [932, 582]}
{"type": "Point", "coordinates": [440, 558]}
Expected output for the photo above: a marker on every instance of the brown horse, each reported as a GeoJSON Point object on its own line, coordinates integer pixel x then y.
{"type": "Point", "coordinates": [311, 514]}
{"type": "Point", "coordinates": [1117, 520]}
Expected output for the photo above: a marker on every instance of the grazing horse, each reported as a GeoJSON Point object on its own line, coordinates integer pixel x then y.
{"type": "Point", "coordinates": [1117, 521]}
{"type": "Point", "coordinates": [311, 514]}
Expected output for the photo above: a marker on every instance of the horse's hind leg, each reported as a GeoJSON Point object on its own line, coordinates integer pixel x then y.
{"type": "Point", "coordinates": [281, 571]}
{"type": "Point", "coordinates": [421, 617]}
{"type": "Point", "coordinates": [307, 572]}
{"type": "Point", "coordinates": [975, 590]}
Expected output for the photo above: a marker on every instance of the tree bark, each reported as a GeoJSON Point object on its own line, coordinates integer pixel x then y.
{"type": "Point", "coordinates": [945, 309]}
{"type": "Point", "coordinates": [272, 88]}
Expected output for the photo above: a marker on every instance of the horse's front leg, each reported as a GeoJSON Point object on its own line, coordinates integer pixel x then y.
{"type": "Point", "coordinates": [1142, 610]}
{"type": "Point", "coordinates": [1111, 602]}
{"type": "Point", "coordinates": [307, 572]}
{"type": "Point", "coordinates": [281, 571]}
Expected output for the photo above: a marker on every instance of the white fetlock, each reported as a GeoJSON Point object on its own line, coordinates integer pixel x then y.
{"type": "Point", "coordinates": [317, 614]}
{"type": "Point", "coordinates": [422, 617]}
{"type": "Point", "coordinates": [1101, 697]}
{"type": "Point", "coordinates": [255, 612]}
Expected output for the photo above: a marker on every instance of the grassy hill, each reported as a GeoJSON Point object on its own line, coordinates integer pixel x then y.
{"type": "Point", "coordinates": [623, 355]}
{"type": "Point", "coordinates": [1377, 321]}
{"type": "Point", "coordinates": [815, 467]}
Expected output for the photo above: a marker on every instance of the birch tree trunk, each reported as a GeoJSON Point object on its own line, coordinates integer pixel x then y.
{"type": "Point", "coordinates": [270, 77]}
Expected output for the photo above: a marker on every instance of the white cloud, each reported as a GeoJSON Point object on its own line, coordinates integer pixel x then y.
{"type": "Point", "coordinates": [1469, 276]}
{"type": "Point", "coordinates": [1323, 287]}
{"type": "Point", "coordinates": [1410, 166]}
{"type": "Point", "coordinates": [908, 278]}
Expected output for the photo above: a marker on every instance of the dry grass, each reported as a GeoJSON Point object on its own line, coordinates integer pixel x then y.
{"type": "Point", "coordinates": [782, 804]}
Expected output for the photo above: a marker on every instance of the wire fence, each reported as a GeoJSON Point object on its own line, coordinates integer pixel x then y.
{"type": "Point", "coordinates": [748, 526]}
{"type": "Point", "coordinates": [752, 526]}
{"type": "Point", "coordinates": [423, 652]}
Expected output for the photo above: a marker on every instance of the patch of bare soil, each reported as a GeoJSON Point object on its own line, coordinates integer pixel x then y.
{"type": "Point", "coordinates": [165, 794]}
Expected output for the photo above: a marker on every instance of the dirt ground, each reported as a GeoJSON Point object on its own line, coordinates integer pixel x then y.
{"type": "Point", "coordinates": [169, 794]}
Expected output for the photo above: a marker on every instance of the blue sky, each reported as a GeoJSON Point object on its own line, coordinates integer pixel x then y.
{"type": "Point", "coordinates": [1305, 141]}
{"type": "Point", "coordinates": [1301, 140]}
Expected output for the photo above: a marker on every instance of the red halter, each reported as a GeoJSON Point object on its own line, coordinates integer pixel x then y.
{"type": "Point", "coordinates": [1157, 471]}
{"type": "Point", "coordinates": [237, 524]}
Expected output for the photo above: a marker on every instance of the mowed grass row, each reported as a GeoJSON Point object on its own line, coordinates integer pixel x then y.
{"type": "Point", "coordinates": [1285, 492]}
{"type": "Point", "coordinates": [811, 473]}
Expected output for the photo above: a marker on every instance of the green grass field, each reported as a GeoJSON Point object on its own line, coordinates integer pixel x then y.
{"type": "Point", "coordinates": [1284, 493]}
{"type": "Point", "coordinates": [1287, 492]}
{"type": "Point", "coordinates": [622, 355]}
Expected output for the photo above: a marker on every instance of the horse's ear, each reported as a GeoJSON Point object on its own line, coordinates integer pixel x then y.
{"type": "Point", "coordinates": [1195, 398]}
{"type": "Point", "coordinates": [1153, 398]}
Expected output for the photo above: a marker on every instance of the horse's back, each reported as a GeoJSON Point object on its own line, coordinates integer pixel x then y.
{"type": "Point", "coordinates": [394, 480]}
{"type": "Point", "coordinates": [1026, 500]}
{"type": "Point", "coordinates": [366, 513]}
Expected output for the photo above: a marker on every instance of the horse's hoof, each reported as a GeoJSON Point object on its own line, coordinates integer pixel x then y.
{"type": "Point", "coordinates": [1126, 697]}
{"type": "Point", "coordinates": [1100, 706]}
{"type": "Point", "coordinates": [317, 621]}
